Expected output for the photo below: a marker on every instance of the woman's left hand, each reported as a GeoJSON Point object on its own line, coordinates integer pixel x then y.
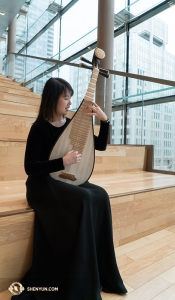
{"type": "Point", "coordinates": [95, 110]}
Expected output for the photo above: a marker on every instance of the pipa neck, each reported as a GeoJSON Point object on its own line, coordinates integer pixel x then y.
{"type": "Point", "coordinates": [89, 96]}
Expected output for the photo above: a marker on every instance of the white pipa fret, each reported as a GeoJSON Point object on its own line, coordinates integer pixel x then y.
{"type": "Point", "coordinates": [89, 96]}
{"type": "Point", "coordinates": [78, 133]}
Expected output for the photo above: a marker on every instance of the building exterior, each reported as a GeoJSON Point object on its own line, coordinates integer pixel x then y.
{"type": "Point", "coordinates": [37, 16]}
{"type": "Point", "coordinates": [153, 124]}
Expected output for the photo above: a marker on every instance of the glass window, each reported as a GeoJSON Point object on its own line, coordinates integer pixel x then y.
{"type": "Point", "coordinates": [163, 141]}
{"type": "Point", "coordinates": [139, 6]}
{"type": "Point", "coordinates": [83, 30]}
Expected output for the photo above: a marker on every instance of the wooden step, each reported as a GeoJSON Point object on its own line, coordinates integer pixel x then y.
{"type": "Point", "coordinates": [12, 160]}
{"type": "Point", "coordinates": [8, 80]}
{"type": "Point", "coordinates": [15, 85]}
{"type": "Point", "coordinates": [9, 83]}
{"type": "Point", "coordinates": [27, 99]}
{"type": "Point", "coordinates": [120, 158]}
{"type": "Point", "coordinates": [12, 197]}
{"type": "Point", "coordinates": [16, 109]}
{"type": "Point", "coordinates": [14, 128]}
{"type": "Point", "coordinates": [11, 90]}
{"type": "Point", "coordinates": [140, 201]}
{"type": "Point", "coordinates": [15, 247]}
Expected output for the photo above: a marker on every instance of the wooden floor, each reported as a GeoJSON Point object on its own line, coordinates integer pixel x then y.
{"type": "Point", "coordinates": [147, 267]}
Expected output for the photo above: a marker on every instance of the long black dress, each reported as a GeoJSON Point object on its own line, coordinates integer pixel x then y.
{"type": "Point", "coordinates": [73, 244]}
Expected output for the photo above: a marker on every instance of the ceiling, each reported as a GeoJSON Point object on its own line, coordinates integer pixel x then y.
{"type": "Point", "coordinates": [11, 8]}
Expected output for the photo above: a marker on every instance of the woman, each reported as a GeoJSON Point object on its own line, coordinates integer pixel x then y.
{"type": "Point", "coordinates": [73, 245]}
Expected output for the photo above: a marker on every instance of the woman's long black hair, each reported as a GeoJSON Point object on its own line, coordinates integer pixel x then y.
{"type": "Point", "coordinates": [52, 91]}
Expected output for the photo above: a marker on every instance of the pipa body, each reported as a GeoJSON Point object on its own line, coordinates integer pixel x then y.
{"type": "Point", "coordinates": [78, 136]}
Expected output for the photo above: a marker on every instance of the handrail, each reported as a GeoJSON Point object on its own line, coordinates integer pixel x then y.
{"type": "Point", "coordinates": [119, 73]}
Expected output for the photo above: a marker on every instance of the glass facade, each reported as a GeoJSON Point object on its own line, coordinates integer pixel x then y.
{"type": "Point", "coordinates": [143, 111]}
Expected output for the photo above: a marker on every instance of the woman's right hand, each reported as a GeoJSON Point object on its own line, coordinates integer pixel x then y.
{"type": "Point", "coordinates": [72, 157]}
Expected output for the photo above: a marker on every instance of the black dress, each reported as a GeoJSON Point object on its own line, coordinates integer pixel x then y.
{"type": "Point", "coordinates": [73, 244]}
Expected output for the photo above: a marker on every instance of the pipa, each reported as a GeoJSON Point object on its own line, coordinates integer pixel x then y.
{"type": "Point", "coordinates": [79, 134]}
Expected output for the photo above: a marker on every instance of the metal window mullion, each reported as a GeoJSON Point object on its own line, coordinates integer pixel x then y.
{"type": "Point", "coordinates": [127, 29]}
{"type": "Point", "coordinates": [49, 24]}
{"type": "Point", "coordinates": [143, 17]}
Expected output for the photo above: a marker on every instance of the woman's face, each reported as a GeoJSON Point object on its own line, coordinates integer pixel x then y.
{"type": "Point", "coordinates": [63, 104]}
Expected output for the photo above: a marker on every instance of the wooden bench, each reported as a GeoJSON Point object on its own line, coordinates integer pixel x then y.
{"type": "Point", "coordinates": [142, 202]}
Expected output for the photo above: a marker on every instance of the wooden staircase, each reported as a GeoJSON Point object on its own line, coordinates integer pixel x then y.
{"type": "Point", "coordinates": [142, 201]}
{"type": "Point", "coordinates": [18, 110]}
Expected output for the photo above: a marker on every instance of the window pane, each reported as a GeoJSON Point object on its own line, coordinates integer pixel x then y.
{"type": "Point", "coordinates": [152, 53]}
{"type": "Point", "coordinates": [139, 6]}
{"type": "Point", "coordinates": [155, 125]}
{"type": "Point", "coordinates": [86, 20]}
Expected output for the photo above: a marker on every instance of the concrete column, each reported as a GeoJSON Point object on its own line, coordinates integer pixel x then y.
{"type": "Point", "coordinates": [105, 41]}
{"type": "Point", "coordinates": [11, 47]}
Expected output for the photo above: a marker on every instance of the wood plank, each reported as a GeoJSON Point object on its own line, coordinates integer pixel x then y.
{"type": "Point", "coordinates": [13, 271]}
{"type": "Point", "coordinates": [4, 78]}
{"type": "Point", "coordinates": [143, 208]}
{"type": "Point", "coordinates": [169, 275]}
{"type": "Point", "coordinates": [110, 296]}
{"type": "Point", "coordinates": [14, 128]}
{"type": "Point", "coordinates": [8, 80]}
{"type": "Point", "coordinates": [11, 188]}
{"type": "Point", "coordinates": [123, 260]}
{"type": "Point", "coordinates": [5, 208]}
{"type": "Point", "coordinates": [135, 231]}
{"type": "Point", "coordinates": [145, 261]}
{"type": "Point", "coordinates": [15, 91]}
{"type": "Point", "coordinates": [168, 294]}
{"type": "Point", "coordinates": [20, 249]}
{"type": "Point", "coordinates": [149, 290]}
{"type": "Point", "coordinates": [16, 228]}
{"type": "Point", "coordinates": [132, 182]}
{"type": "Point", "coordinates": [142, 242]}
{"type": "Point", "coordinates": [26, 99]}
{"type": "Point", "coordinates": [119, 159]}
{"type": "Point", "coordinates": [172, 228]}
{"type": "Point", "coordinates": [12, 108]}
{"type": "Point", "coordinates": [12, 84]}
{"type": "Point", "coordinates": [10, 173]}
{"type": "Point", "coordinates": [151, 272]}
{"type": "Point", "coordinates": [12, 160]}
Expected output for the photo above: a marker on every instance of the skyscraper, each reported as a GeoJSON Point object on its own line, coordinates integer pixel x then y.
{"type": "Point", "coordinates": [153, 124]}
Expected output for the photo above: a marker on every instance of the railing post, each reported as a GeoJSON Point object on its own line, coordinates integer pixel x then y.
{"type": "Point", "coordinates": [11, 47]}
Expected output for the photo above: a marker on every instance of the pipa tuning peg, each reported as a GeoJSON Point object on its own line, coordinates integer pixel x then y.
{"type": "Point", "coordinates": [104, 74]}
{"type": "Point", "coordinates": [82, 65]}
{"type": "Point", "coordinates": [85, 60]}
